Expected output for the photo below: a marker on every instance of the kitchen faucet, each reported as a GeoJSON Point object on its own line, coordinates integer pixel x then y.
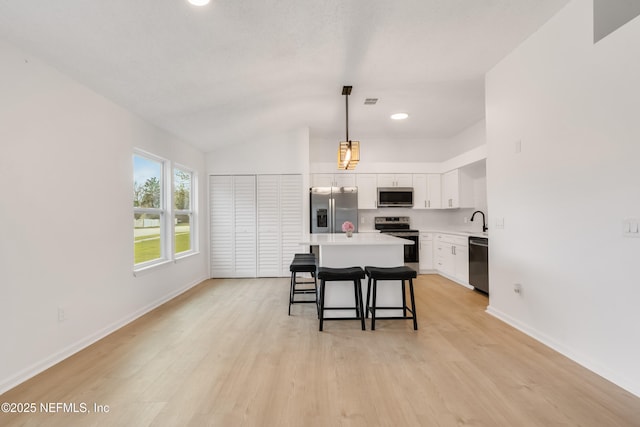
{"type": "Point", "coordinates": [484, 224]}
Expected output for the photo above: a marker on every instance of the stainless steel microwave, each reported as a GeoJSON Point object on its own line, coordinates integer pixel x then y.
{"type": "Point", "coordinates": [396, 197]}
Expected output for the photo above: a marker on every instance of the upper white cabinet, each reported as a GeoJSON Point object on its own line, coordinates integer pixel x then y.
{"type": "Point", "coordinates": [457, 189]}
{"type": "Point", "coordinates": [333, 180]}
{"type": "Point", "coordinates": [395, 180]}
{"type": "Point", "coordinates": [427, 193]}
{"type": "Point", "coordinates": [367, 184]}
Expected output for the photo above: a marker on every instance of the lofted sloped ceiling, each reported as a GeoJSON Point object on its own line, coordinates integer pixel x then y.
{"type": "Point", "coordinates": [237, 69]}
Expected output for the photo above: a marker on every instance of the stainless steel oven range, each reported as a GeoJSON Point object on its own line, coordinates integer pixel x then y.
{"type": "Point", "coordinates": [399, 226]}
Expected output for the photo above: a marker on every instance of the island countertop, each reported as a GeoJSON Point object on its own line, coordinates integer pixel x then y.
{"type": "Point", "coordinates": [358, 239]}
{"type": "Point", "coordinates": [362, 249]}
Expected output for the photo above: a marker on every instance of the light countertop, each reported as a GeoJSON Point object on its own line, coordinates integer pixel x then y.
{"type": "Point", "coordinates": [358, 239]}
{"type": "Point", "coordinates": [468, 233]}
{"type": "Point", "coordinates": [455, 231]}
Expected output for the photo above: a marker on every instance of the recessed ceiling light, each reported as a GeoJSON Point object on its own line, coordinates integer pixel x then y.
{"type": "Point", "coordinates": [199, 2]}
{"type": "Point", "coordinates": [399, 116]}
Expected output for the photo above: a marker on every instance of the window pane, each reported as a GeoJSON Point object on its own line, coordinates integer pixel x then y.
{"type": "Point", "coordinates": [183, 233]}
{"type": "Point", "coordinates": [147, 182]}
{"type": "Point", "coordinates": [182, 189]}
{"type": "Point", "coordinates": [146, 237]}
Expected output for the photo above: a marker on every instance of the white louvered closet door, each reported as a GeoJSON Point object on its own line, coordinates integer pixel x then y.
{"type": "Point", "coordinates": [222, 226]}
{"type": "Point", "coordinates": [244, 192]}
{"type": "Point", "coordinates": [290, 219]}
{"type": "Point", "coordinates": [269, 253]}
{"type": "Point", "coordinates": [256, 224]}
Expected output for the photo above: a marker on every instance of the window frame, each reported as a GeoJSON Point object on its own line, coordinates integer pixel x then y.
{"type": "Point", "coordinates": [162, 211]}
{"type": "Point", "coordinates": [167, 212]}
{"type": "Point", "coordinates": [191, 212]}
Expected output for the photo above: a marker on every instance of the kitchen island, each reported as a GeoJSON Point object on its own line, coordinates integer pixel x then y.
{"type": "Point", "coordinates": [363, 249]}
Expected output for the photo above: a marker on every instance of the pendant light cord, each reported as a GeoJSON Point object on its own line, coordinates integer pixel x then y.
{"type": "Point", "coordinates": [346, 101]}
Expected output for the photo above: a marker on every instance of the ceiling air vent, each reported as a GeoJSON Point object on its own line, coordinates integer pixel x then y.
{"type": "Point", "coordinates": [370, 101]}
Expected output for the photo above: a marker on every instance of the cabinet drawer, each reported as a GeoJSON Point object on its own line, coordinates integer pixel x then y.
{"type": "Point", "coordinates": [460, 240]}
{"type": "Point", "coordinates": [452, 239]}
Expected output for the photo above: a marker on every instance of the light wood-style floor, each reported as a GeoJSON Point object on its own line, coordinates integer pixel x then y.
{"type": "Point", "coordinates": [226, 354]}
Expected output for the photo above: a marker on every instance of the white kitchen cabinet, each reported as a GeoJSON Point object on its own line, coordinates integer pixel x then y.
{"type": "Point", "coordinates": [427, 191]}
{"type": "Point", "coordinates": [457, 190]}
{"type": "Point", "coordinates": [395, 180]}
{"type": "Point", "coordinates": [450, 189]}
{"type": "Point", "coordinates": [461, 261]}
{"type": "Point", "coordinates": [367, 184]}
{"type": "Point", "coordinates": [452, 256]}
{"type": "Point", "coordinates": [443, 258]}
{"type": "Point", "coordinates": [233, 226]}
{"type": "Point", "coordinates": [333, 180]}
{"type": "Point", "coordinates": [322, 180]}
{"type": "Point", "coordinates": [426, 252]}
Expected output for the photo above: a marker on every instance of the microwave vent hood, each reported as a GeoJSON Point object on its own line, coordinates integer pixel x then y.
{"type": "Point", "coordinates": [395, 197]}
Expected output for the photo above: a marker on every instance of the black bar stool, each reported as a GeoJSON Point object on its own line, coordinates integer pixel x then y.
{"type": "Point", "coordinates": [349, 274]}
{"type": "Point", "coordinates": [303, 263]}
{"type": "Point", "coordinates": [391, 273]}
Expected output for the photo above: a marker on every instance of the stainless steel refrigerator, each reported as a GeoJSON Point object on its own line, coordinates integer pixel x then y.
{"type": "Point", "coordinates": [332, 206]}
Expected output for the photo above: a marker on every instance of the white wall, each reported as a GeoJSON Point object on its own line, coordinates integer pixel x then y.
{"type": "Point", "coordinates": [574, 107]}
{"type": "Point", "coordinates": [66, 217]}
{"type": "Point", "coordinates": [467, 140]}
{"type": "Point", "coordinates": [275, 154]}
{"type": "Point", "coordinates": [382, 155]}
{"type": "Point", "coordinates": [408, 156]}
{"type": "Point", "coordinates": [286, 153]}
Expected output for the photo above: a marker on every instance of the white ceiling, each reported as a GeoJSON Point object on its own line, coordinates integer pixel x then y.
{"type": "Point", "coordinates": [237, 69]}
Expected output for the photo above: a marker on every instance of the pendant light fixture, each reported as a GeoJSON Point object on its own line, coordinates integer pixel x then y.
{"type": "Point", "coordinates": [348, 151]}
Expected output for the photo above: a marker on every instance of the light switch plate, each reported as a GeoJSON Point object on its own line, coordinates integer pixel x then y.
{"type": "Point", "coordinates": [630, 227]}
{"type": "Point", "coordinates": [517, 146]}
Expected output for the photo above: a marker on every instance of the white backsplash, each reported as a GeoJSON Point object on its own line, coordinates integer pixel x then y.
{"type": "Point", "coordinates": [425, 219]}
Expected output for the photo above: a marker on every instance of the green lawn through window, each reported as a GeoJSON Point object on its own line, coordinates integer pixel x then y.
{"type": "Point", "coordinates": [147, 242]}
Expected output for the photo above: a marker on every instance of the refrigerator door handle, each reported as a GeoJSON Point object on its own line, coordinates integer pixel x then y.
{"type": "Point", "coordinates": [332, 207]}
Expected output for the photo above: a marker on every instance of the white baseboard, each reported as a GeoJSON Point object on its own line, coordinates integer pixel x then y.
{"type": "Point", "coordinates": [38, 367]}
{"type": "Point", "coordinates": [453, 279]}
{"type": "Point", "coordinates": [580, 359]}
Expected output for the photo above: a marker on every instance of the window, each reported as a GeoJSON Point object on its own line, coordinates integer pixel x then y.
{"type": "Point", "coordinates": [149, 210]}
{"type": "Point", "coordinates": [163, 211]}
{"type": "Point", "coordinates": [183, 210]}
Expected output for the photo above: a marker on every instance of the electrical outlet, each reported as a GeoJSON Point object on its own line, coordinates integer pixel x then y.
{"type": "Point", "coordinates": [517, 288]}
{"type": "Point", "coordinates": [500, 223]}
{"type": "Point", "coordinates": [62, 315]}
{"type": "Point", "coordinates": [361, 220]}
{"type": "Point", "coordinates": [466, 220]}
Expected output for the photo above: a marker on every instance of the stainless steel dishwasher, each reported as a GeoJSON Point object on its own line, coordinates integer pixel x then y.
{"type": "Point", "coordinates": [479, 263]}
